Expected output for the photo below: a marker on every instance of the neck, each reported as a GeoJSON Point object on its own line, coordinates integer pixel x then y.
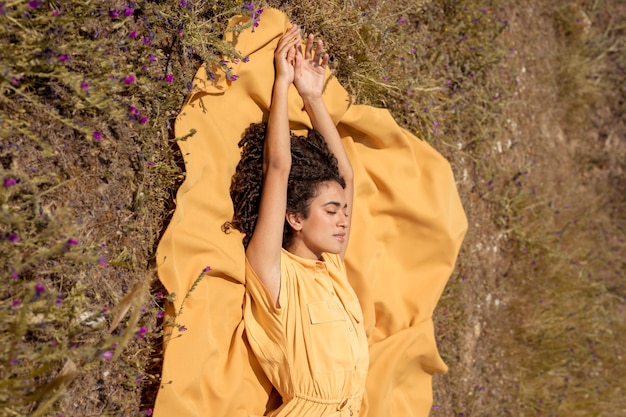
{"type": "Point", "coordinates": [298, 248]}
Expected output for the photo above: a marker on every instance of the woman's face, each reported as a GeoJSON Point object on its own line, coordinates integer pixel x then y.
{"type": "Point", "coordinates": [324, 230]}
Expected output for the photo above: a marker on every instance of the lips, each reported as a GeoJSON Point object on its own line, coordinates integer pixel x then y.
{"type": "Point", "coordinates": [341, 237]}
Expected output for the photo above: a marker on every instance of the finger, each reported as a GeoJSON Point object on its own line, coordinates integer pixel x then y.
{"type": "Point", "coordinates": [285, 44]}
{"type": "Point", "coordinates": [318, 51]}
{"type": "Point", "coordinates": [309, 47]}
{"type": "Point", "coordinates": [287, 36]}
{"type": "Point", "coordinates": [325, 60]}
{"type": "Point", "coordinates": [291, 55]}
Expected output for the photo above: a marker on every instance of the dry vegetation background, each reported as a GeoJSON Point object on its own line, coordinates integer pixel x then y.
{"type": "Point", "coordinates": [526, 99]}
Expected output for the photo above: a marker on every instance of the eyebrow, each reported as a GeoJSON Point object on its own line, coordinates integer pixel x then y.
{"type": "Point", "coordinates": [334, 203]}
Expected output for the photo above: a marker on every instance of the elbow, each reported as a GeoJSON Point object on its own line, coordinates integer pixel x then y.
{"type": "Point", "coordinates": [348, 175]}
{"type": "Point", "coordinates": [278, 165]}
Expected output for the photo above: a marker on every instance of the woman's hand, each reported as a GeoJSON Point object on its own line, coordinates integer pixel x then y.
{"type": "Point", "coordinates": [310, 69]}
{"type": "Point", "coordinates": [285, 55]}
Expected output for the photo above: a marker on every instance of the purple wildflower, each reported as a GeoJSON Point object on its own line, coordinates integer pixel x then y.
{"type": "Point", "coordinates": [206, 269]}
{"type": "Point", "coordinates": [146, 40]}
{"type": "Point", "coordinates": [114, 14]}
{"type": "Point", "coordinates": [129, 80]}
{"type": "Point", "coordinates": [141, 333]}
{"type": "Point", "coordinates": [152, 58]}
{"type": "Point", "coordinates": [128, 11]}
{"type": "Point", "coordinates": [401, 20]}
{"type": "Point", "coordinates": [143, 120]}
{"type": "Point", "coordinates": [63, 57]}
{"type": "Point", "coordinates": [257, 18]}
{"type": "Point", "coordinates": [160, 314]}
{"type": "Point", "coordinates": [183, 3]}
{"type": "Point", "coordinates": [72, 242]}
{"type": "Point", "coordinates": [107, 355]}
{"type": "Point", "coordinates": [12, 237]}
{"type": "Point", "coordinates": [133, 110]}
{"type": "Point", "coordinates": [102, 261]}
{"type": "Point", "coordinates": [55, 12]}
{"type": "Point", "coordinates": [133, 34]}
{"type": "Point", "coordinates": [9, 182]}
{"type": "Point", "coordinates": [84, 85]}
{"type": "Point", "coordinates": [16, 302]}
{"type": "Point", "coordinates": [39, 289]}
{"type": "Point", "coordinates": [182, 328]}
{"type": "Point", "coordinates": [169, 78]}
{"type": "Point", "coordinates": [248, 6]}
{"type": "Point", "coordinates": [97, 135]}
{"type": "Point", "coordinates": [233, 77]}
{"type": "Point", "coordinates": [148, 412]}
{"type": "Point", "coordinates": [33, 4]}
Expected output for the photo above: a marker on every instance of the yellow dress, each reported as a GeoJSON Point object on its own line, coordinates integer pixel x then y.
{"type": "Point", "coordinates": [313, 348]}
{"type": "Point", "coordinates": [407, 227]}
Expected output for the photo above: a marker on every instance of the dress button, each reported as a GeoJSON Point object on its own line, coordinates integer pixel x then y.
{"type": "Point", "coordinates": [351, 329]}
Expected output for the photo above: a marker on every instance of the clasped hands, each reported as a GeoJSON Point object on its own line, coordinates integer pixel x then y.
{"type": "Point", "coordinates": [306, 71]}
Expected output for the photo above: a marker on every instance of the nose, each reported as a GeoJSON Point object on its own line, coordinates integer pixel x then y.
{"type": "Point", "coordinates": [343, 221]}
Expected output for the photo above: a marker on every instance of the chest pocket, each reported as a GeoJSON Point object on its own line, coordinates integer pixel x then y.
{"type": "Point", "coordinates": [329, 338]}
{"type": "Point", "coordinates": [324, 311]}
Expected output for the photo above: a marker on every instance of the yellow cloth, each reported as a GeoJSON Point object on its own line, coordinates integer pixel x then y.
{"type": "Point", "coordinates": [407, 228]}
{"type": "Point", "coordinates": [313, 348]}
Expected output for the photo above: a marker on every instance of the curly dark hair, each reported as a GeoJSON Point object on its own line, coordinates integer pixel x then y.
{"type": "Point", "coordinates": [312, 164]}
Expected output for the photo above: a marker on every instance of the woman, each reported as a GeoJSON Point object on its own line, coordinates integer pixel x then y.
{"type": "Point", "coordinates": [293, 202]}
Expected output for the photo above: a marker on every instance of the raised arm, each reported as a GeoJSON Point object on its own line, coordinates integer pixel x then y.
{"type": "Point", "coordinates": [265, 245]}
{"type": "Point", "coordinates": [309, 81]}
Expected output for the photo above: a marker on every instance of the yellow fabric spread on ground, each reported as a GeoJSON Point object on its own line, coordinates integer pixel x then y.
{"type": "Point", "coordinates": [407, 224]}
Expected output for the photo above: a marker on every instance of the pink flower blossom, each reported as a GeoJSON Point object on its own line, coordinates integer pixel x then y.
{"type": "Point", "coordinates": [129, 80]}
{"type": "Point", "coordinates": [97, 135]}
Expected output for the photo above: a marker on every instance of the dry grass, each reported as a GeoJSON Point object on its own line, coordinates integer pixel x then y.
{"type": "Point", "coordinates": [525, 100]}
